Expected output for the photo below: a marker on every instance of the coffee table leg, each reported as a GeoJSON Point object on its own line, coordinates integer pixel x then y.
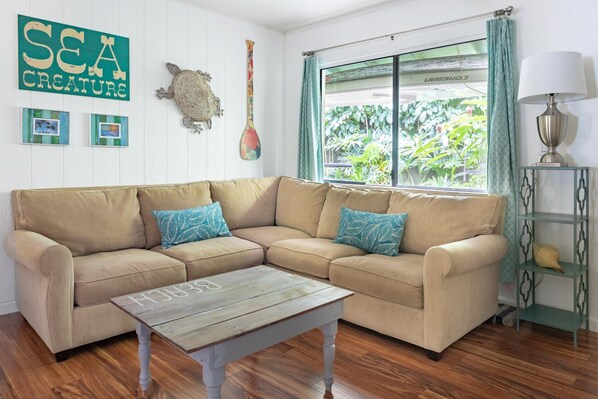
{"type": "Point", "coordinates": [213, 380]}
{"type": "Point", "coordinates": [329, 330]}
{"type": "Point", "coordinates": [213, 369]}
{"type": "Point", "coordinates": [144, 352]}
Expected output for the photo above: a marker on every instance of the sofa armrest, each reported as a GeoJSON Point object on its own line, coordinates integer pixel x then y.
{"type": "Point", "coordinates": [37, 252]}
{"type": "Point", "coordinates": [460, 288]}
{"type": "Point", "coordinates": [463, 256]}
{"type": "Point", "coordinates": [44, 286]}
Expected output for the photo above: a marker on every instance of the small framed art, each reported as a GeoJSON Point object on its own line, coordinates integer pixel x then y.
{"type": "Point", "coordinates": [42, 126]}
{"type": "Point", "coordinates": [109, 130]}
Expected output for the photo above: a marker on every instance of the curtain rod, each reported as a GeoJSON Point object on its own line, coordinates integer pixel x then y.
{"type": "Point", "coordinates": [503, 12]}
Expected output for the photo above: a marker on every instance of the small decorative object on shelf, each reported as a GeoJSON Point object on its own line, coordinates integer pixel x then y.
{"type": "Point", "coordinates": [547, 256]}
{"type": "Point", "coordinates": [535, 260]}
{"type": "Point", "coordinates": [193, 95]}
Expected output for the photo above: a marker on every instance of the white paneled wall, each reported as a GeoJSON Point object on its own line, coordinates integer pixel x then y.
{"type": "Point", "coordinates": [161, 150]}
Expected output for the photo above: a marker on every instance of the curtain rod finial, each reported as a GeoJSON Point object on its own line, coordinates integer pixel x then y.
{"type": "Point", "coordinates": [503, 12]}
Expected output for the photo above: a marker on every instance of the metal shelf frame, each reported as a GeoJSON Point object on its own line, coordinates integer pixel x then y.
{"type": "Point", "coordinates": [577, 270]}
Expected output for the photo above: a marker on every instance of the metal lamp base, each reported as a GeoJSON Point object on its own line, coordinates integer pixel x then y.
{"type": "Point", "coordinates": [552, 129]}
{"type": "Point", "coordinates": [553, 158]}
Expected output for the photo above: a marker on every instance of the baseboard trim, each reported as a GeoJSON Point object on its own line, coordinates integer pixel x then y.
{"type": "Point", "coordinates": [8, 307]}
{"type": "Point", "coordinates": [506, 301]}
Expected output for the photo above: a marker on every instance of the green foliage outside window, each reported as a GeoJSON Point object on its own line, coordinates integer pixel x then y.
{"type": "Point", "coordinates": [361, 137]}
{"type": "Point", "coordinates": [442, 143]}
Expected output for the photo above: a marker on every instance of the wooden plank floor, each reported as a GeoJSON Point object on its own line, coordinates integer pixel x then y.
{"type": "Point", "coordinates": [492, 361]}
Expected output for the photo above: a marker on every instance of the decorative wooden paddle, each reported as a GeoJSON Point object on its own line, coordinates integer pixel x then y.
{"type": "Point", "coordinates": [251, 148]}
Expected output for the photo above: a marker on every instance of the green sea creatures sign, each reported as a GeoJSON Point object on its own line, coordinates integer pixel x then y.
{"type": "Point", "coordinates": [66, 59]}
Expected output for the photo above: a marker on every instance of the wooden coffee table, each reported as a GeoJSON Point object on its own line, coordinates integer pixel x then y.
{"type": "Point", "coordinates": [222, 318]}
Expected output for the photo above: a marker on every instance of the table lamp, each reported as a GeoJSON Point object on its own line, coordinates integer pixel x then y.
{"type": "Point", "coordinates": [548, 78]}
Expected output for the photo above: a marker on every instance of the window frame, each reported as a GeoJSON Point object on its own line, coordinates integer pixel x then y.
{"type": "Point", "coordinates": [395, 120]}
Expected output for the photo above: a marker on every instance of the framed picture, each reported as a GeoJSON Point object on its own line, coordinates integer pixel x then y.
{"type": "Point", "coordinates": [42, 126]}
{"type": "Point", "coordinates": [109, 130]}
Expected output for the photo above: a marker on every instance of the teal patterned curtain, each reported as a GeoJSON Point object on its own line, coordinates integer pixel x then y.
{"type": "Point", "coordinates": [310, 164]}
{"type": "Point", "coordinates": [502, 142]}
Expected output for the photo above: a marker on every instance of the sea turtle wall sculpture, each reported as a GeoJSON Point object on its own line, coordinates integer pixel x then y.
{"type": "Point", "coordinates": [194, 97]}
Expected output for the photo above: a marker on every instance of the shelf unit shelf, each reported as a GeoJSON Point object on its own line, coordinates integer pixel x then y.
{"type": "Point", "coordinates": [570, 270]}
{"type": "Point", "coordinates": [553, 217]}
{"type": "Point", "coordinates": [529, 220]}
{"type": "Point", "coordinates": [553, 317]}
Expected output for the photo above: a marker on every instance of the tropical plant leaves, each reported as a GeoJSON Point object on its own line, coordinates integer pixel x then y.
{"type": "Point", "coordinates": [441, 142]}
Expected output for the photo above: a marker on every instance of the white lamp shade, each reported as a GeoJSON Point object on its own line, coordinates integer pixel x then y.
{"type": "Point", "coordinates": [559, 72]}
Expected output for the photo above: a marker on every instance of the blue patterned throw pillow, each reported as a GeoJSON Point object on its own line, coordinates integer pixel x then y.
{"type": "Point", "coordinates": [372, 232]}
{"type": "Point", "coordinates": [189, 225]}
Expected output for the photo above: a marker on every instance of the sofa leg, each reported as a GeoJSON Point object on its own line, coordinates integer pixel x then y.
{"type": "Point", "coordinates": [436, 356]}
{"type": "Point", "coordinates": [62, 356]}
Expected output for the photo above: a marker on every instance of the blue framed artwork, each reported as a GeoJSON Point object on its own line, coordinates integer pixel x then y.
{"type": "Point", "coordinates": [109, 130]}
{"type": "Point", "coordinates": [42, 126]}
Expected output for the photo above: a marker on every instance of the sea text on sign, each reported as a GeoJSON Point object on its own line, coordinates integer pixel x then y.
{"type": "Point", "coordinates": [64, 59]}
{"type": "Point", "coordinates": [177, 291]}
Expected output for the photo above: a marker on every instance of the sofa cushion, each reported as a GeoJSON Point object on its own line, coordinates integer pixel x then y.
{"type": "Point", "coordinates": [367, 200]}
{"type": "Point", "coordinates": [266, 235]}
{"type": "Point", "coordinates": [86, 221]}
{"type": "Point", "coordinates": [372, 232]}
{"type": "Point", "coordinates": [171, 197]}
{"type": "Point", "coordinates": [441, 219]}
{"type": "Point", "coordinates": [299, 204]}
{"type": "Point", "coordinates": [247, 202]}
{"type": "Point", "coordinates": [397, 279]}
{"type": "Point", "coordinates": [215, 256]}
{"type": "Point", "coordinates": [310, 256]}
{"type": "Point", "coordinates": [188, 225]}
{"type": "Point", "coordinates": [104, 275]}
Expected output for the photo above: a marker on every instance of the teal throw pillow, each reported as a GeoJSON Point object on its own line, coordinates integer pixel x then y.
{"type": "Point", "coordinates": [189, 225]}
{"type": "Point", "coordinates": [372, 232]}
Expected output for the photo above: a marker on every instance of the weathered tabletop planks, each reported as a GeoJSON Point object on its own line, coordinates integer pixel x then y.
{"type": "Point", "coordinates": [203, 312]}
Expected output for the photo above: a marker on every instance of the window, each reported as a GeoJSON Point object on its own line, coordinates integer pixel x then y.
{"type": "Point", "coordinates": [416, 119]}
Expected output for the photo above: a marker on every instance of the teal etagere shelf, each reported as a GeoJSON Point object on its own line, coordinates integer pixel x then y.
{"type": "Point", "coordinates": [577, 271]}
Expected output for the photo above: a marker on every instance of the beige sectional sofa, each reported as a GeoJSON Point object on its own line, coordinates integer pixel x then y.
{"type": "Point", "coordinates": [76, 248]}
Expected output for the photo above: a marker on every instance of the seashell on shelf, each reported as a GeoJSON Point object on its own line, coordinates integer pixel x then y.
{"type": "Point", "coordinates": [547, 256]}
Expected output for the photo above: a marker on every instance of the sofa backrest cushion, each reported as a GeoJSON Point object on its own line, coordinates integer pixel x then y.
{"type": "Point", "coordinates": [299, 204]}
{"type": "Point", "coordinates": [367, 200]}
{"type": "Point", "coordinates": [436, 219]}
{"type": "Point", "coordinates": [86, 221]}
{"type": "Point", "coordinates": [171, 197]}
{"type": "Point", "coordinates": [247, 202]}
